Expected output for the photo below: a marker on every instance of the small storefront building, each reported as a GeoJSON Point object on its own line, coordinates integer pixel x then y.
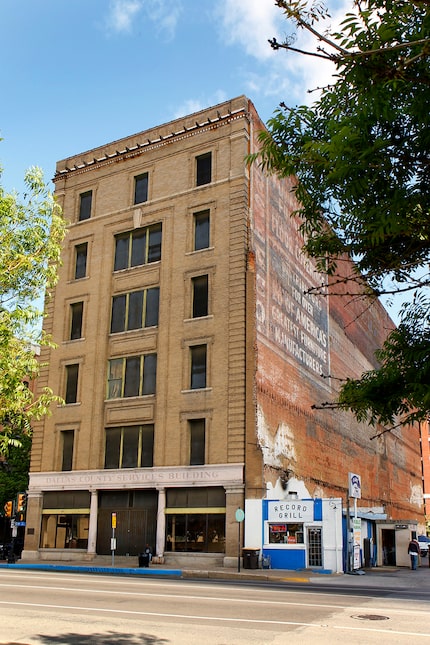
{"type": "Point", "coordinates": [296, 533]}
{"type": "Point", "coordinates": [393, 537]}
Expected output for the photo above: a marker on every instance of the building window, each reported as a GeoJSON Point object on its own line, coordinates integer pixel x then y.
{"type": "Point", "coordinates": [72, 372]}
{"type": "Point", "coordinates": [81, 260]}
{"type": "Point", "coordinates": [204, 169]}
{"type": "Point", "coordinates": [64, 530]}
{"type": "Point", "coordinates": [67, 441]}
{"type": "Point", "coordinates": [85, 200]}
{"type": "Point", "coordinates": [132, 376]}
{"type": "Point", "coordinates": [200, 296]}
{"type": "Point", "coordinates": [76, 313]}
{"type": "Point", "coordinates": [138, 247]}
{"type": "Point", "coordinates": [198, 366]}
{"type": "Point", "coordinates": [201, 230]}
{"type": "Point", "coordinates": [135, 310]}
{"type": "Point", "coordinates": [286, 533]}
{"type": "Point", "coordinates": [129, 447]}
{"type": "Point", "coordinates": [141, 188]}
{"type": "Point", "coordinates": [197, 441]}
{"type": "Point", "coordinates": [195, 519]}
{"type": "Point", "coordinates": [63, 527]}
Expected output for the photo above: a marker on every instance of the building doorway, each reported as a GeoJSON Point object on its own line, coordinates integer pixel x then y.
{"type": "Point", "coordinates": [134, 529]}
{"type": "Point", "coordinates": [315, 557]}
{"type": "Point", "coordinates": [136, 521]}
{"type": "Point", "coordinates": [388, 547]}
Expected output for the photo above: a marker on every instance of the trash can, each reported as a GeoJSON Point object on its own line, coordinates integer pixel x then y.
{"type": "Point", "coordinates": [143, 559]}
{"type": "Point", "coordinates": [250, 558]}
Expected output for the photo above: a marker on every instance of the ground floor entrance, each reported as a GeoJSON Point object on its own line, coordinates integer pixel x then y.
{"type": "Point", "coordinates": [182, 511]}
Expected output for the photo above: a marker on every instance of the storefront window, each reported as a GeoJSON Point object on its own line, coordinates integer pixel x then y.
{"type": "Point", "coordinates": [64, 531]}
{"type": "Point", "coordinates": [286, 533]}
{"type": "Point", "coordinates": [200, 532]}
{"type": "Point", "coordinates": [65, 520]}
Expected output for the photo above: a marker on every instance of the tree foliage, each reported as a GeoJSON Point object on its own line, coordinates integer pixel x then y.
{"type": "Point", "coordinates": [14, 471]}
{"type": "Point", "coordinates": [361, 153]}
{"type": "Point", "coordinates": [31, 233]}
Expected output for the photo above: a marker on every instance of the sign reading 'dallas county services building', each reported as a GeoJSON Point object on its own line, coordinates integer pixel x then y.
{"type": "Point", "coordinates": [291, 314]}
{"type": "Point", "coordinates": [294, 511]}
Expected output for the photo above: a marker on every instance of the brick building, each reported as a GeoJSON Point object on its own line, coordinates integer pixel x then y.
{"type": "Point", "coordinates": [190, 355]}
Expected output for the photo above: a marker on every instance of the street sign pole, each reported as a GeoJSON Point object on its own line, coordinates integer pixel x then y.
{"type": "Point", "coordinates": [113, 539]}
{"type": "Point", "coordinates": [240, 516]}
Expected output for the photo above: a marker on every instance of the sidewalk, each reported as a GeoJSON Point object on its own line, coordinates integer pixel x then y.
{"type": "Point", "coordinates": [374, 577]}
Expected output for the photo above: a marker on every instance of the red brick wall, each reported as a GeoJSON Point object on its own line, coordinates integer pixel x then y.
{"type": "Point", "coordinates": [305, 342]}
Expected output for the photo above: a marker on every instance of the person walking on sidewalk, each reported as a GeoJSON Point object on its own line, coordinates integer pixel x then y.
{"type": "Point", "coordinates": [414, 552]}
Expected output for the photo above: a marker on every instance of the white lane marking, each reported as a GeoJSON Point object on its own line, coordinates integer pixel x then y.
{"type": "Point", "coordinates": [210, 618]}
{"type": "Point", "coordinates": [183, 597]}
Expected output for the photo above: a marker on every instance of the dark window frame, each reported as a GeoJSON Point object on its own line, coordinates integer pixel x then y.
{"type": "Point", "coordinates": [81, 256]}
{"type": "Point", "coordinates": [72, 377]}
{"type": "Point", "coordinates": [141, 184]}
{"type": "Point", "coordinates": [200, 296]}
{"type": "Point", "coordinates": [201, 222]}
{"type": "Point", "coordinates": [131, 376]}
{"type": "Point", "coordinates": [76, 320]}
{"type": "Point", "coordinates": [197, 436]}
{"type": "Point", "coordinates": [204, 169]}
{"type": "Point", "coordinates": [125, 317]}
{"type": "Point", "coordinates": [67, 447]}
{"type": "Point", "coordinates": [198, 367]}
{"type": "Point", "coordinates": [85, 205]}
{"type": "Point", "coordinates": [129, 446]}
{"type": "Point", "coordinates": [138, 247]}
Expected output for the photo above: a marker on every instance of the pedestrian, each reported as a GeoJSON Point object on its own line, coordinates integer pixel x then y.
{"type": "Point", "coordinates": [414, 552]}
{"type": "Point", "coordinates": [148, 552]}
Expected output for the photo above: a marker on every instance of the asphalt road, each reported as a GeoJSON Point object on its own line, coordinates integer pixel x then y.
{"type": "Point", "coordinates": [42, 607]}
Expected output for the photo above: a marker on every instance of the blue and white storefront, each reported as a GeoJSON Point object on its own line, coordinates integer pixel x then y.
{"type": "Point", "coordinates": [296, 533]}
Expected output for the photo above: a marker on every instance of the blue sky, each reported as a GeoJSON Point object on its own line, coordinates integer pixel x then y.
{"type": "Point", "coordinates": [79, 73]}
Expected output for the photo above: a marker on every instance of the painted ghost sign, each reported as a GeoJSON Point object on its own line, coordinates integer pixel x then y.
{"type": "Point", "coordinates": [290, 315]}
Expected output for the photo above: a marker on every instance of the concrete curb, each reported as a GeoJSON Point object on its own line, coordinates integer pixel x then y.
{"type": "Point", "coordinates": [186, 574]}
{"type": "Point", "coordinates": [125, 571]}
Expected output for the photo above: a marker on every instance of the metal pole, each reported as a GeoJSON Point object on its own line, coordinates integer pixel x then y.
{"type": "Point", "coordinates": [113, 550]}
{"type": "Point", "coordinates": [348, 537]}
{"type": "Point", "coordinates": [238, 548]}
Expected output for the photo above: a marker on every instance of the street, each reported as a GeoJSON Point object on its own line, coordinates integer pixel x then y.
{"type": "Point", "coordinates": [40, 607]}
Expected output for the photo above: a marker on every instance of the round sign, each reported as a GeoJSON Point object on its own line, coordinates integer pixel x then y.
{"type": "Point", "coordinates": [240, 515]}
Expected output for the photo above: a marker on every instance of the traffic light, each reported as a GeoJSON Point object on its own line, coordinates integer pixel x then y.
{"type": "Point", "coordinates": [8, 508]}
{"type": "Point", "coordinates": [21, 502]}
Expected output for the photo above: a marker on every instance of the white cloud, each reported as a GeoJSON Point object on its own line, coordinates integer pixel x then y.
{"type": "Point", "coordinates": [249, 24]}
{"type": "Point", "coordinates": [121, 14]}
{"type": "Point", "coordinates": [286, 75]}
{"type": "Point", "coordinates": [195, 105]}
{"type": "Point", "coordinates": [163, 14]}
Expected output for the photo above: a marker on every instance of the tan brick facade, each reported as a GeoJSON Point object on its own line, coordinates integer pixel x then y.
{"type": "Point", "coordinates": [265, 347]}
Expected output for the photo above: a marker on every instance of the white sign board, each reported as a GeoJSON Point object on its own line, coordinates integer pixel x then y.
{"type": "Point", "coordinates": [356, 527]}
{"type": "Point", "coordinates": [354, 485]}
{"type": "Point", "coordinates": [294, 511]}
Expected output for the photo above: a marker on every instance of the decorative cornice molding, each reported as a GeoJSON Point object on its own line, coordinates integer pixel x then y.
{"type": "Point", "coordinates": [162, 140]}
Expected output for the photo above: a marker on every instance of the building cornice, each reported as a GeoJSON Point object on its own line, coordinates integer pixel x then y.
{"type": "Point", "coordinates": [139, 148]}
